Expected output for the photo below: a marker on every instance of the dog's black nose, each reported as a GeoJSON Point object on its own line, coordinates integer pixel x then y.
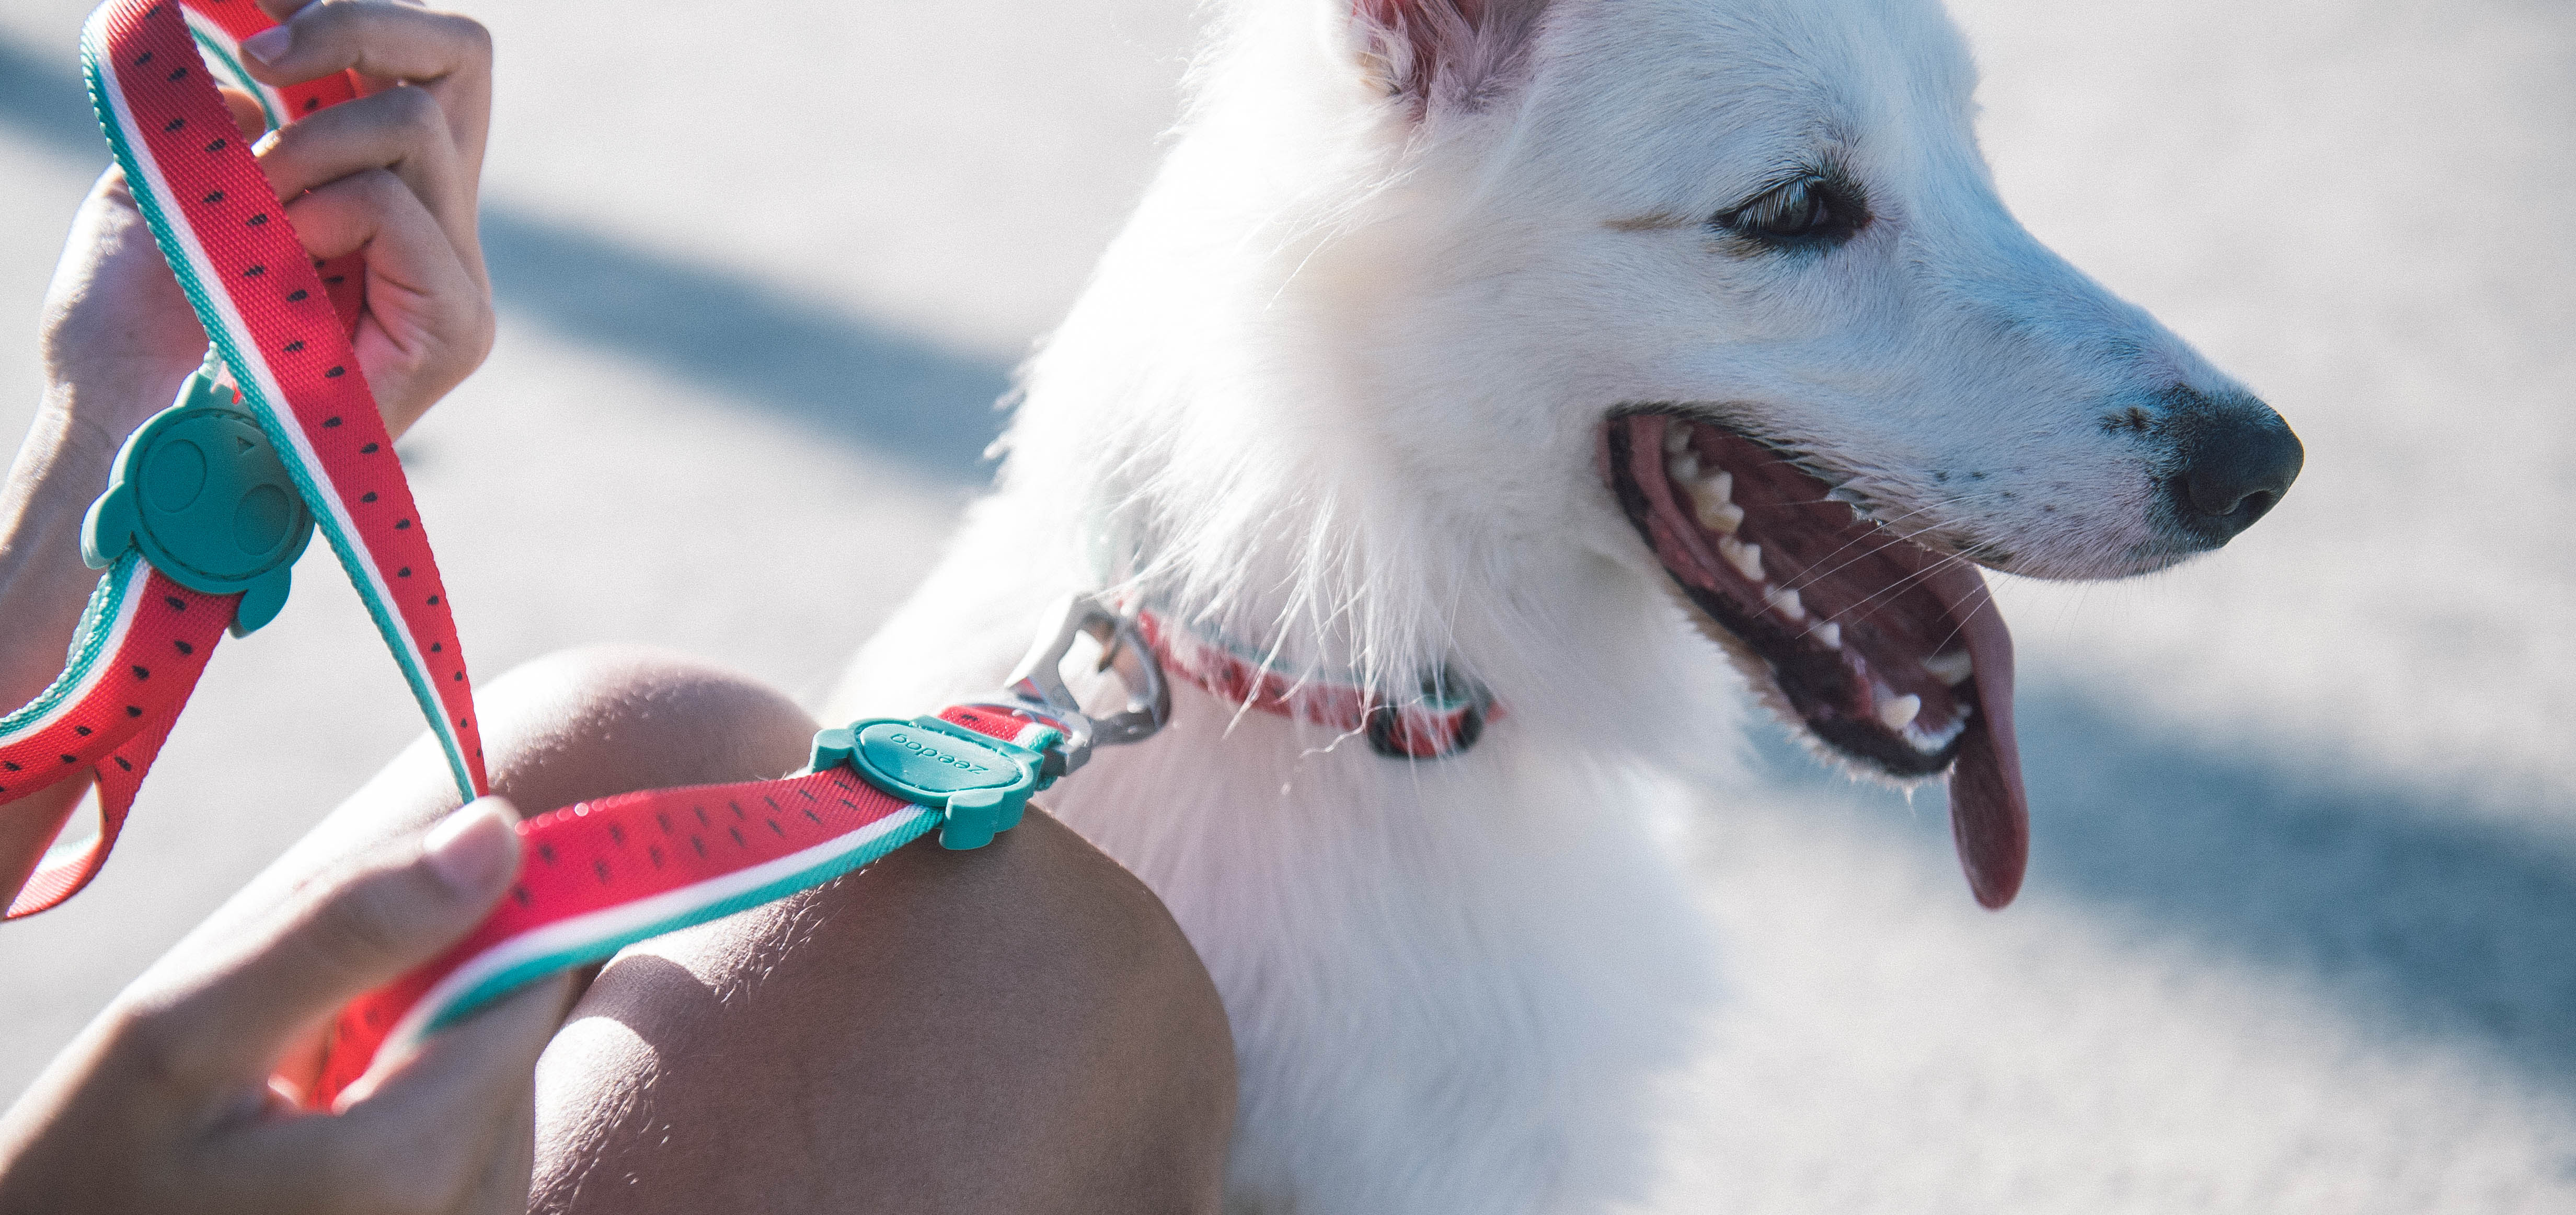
{"type": "Point", "coordinates": [2234, 460]}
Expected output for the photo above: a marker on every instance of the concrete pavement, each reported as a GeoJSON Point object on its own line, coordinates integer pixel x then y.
{"type": "Point", "coordinates": [2306, 865]}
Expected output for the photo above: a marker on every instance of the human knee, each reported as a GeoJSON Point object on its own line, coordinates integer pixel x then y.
{"type": "Point", "coordinates": [602, 720]}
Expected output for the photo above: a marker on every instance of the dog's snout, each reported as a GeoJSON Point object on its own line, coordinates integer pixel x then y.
{"type": "Point", "coordinates": [2233, 461]}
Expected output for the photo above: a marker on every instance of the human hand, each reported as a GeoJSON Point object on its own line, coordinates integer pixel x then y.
{"type": "Point", "coordinates": [393, 173]}
{"type": "Point", "coordinates": [173, 1099]}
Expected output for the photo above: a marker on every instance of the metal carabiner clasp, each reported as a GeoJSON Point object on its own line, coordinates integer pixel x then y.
{"type": "Point", "coordinates": [1037, 685]}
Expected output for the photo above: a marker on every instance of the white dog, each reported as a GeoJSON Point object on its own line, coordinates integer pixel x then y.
{"type": "Point", "coordinates": [1463, 354]}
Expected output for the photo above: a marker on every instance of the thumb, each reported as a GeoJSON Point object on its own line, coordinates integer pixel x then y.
{"type": "Point", "coordinates": [341, 938]}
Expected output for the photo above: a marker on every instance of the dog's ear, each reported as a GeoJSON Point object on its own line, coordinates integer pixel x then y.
{"type": "Point", "coordinates": [1444, 53]}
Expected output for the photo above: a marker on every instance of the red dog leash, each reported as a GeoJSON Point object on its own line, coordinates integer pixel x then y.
{"type": "Point", "coordinates": [213, 499]}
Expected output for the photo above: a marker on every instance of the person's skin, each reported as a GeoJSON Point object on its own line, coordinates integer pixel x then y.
{"type": "Point", "coordinates": [169, 1100]}
{"type": "Point", "coordinates": [394, 172]}
{"type": "Point", "coordinates": [1021, 1027]}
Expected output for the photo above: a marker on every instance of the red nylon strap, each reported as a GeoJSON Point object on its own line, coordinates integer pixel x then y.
{"type": "Point", "coordinates": [261, 268]}
{"type": "Point", "coordinates": [612, 852]}
{"type": "Point", "coordinates": [116, 727]}
{"type": "Point", "coordinates": [298, 314]}
{"type": "Point", "coordinates": [1411, 731]}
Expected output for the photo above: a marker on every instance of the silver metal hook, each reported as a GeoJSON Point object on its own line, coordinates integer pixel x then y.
{"type": "Point", "coordinates": [1038, 682]}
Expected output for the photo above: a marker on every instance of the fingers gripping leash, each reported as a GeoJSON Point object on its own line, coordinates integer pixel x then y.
{"type": "Point", "coordinates": [601, 875]}
{"type": "Point", "coordinates": [277, 437]}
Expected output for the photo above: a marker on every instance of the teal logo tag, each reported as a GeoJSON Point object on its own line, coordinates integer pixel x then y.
{"type": "Point", "coordinates": [980, 784]}
{"type": "Point", "coordinates": [200, 491]}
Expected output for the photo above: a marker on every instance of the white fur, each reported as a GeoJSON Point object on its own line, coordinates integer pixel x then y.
{"type": "Point", "coordinates": [1337, 388]}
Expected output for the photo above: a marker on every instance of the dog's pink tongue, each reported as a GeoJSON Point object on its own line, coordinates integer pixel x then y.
{"type": "Point", "coordinates": [1989, 816]}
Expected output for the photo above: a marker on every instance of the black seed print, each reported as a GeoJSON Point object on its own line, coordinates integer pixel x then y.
{"type": "Point", "coordinates": [184, 648]}
{"type": "Point", "coordinates": [775, 829]}
{"type": "Point", "coordinates": [656, 854]}
{"type": "Point", "coordinates": [134, 710]}
{"type": "Point", "coordinates": [329, 422]}
{"type": "Point", "coordinates": [736, 832]}
{"type": "Point", "coordinates": [10, 766]}
{"type": "Point", "coordinates": [702, 815]}
{"type": "Point", "coordinates": [177, 74]}
{"type": "Point", "coordinates": [335, 280]}
{"type": "Point", "coordinates": [142, 672]}
{"type": "Point", "coordinates": [254, 272]}
{"type": "Point", "coordinates": [520, 893]}
{"type": "Point", "coordinates": [296, 345]}
{"type": "Point", "coordinates": [296, 296]}
{"type": "Point", "coordinates": [402, 525]}
{"type": "Point", "coordinates": [737, 811]}
{"type": "Point", "coordinates": [122, 765]}
{"type": "Point", "coordinates": [173, 124]}
{"type": "Point", "coordinates": [83, 731]}
{"type": "Point", "coordinates": [335, 373]}
{"type": "Point", "coordinates": [601, 868]}
{"type": "Point", "coordinates": [256, 220]}
{"type": "Point", "coordinates": [818, 819]}
{"type": "Point", "coordinates": [217, 146]}
{"type": "Point", "coordinates": [663, 817]}
{"type": "Point", "coordinates": [368, 496]}
{"type": "Point", "coordinates": [546, 853]}
{"type": "Point", "coordinates": [176, 603]}
{"type": "Point", "coordinates": [216, 197]}
{"type": "Point", "coordinates": [460, 677]}
{"type": "Point", "coordinates": [311, 102]}
{"type": "Point", "coordinates": [368, 450]}
{"type": "Point", "coordinates": [617, 835]}
{"type": "Point", "coordinates": [433, 601]}
{"type": "Point", "coordinates": [699, 844]}
{"type": "Point", "coordinates": [71, 759]}
{"type": "Point", "coordinates": [404, 572]}
{"type": "Point", "coordinates": [146, 57]}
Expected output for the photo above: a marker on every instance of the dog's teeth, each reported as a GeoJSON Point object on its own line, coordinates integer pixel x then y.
{"type": "Point", "coordinates": [1897, 712]}
{"type": "Point", "coordinates": [1784, 602]}
{"type": "Point", "coordinates": [1953, 668]}
{"type": "Point", "coordinates": [1830, 633]}
{"type": "Point", "coordinates": [1746, 558]}
{"type": "Point", "coordinates": [1677, 437]}
{"type": "Point", "coordinates": [1712, 496]}
{"type": "Point", "coordinates": [1683, 468]}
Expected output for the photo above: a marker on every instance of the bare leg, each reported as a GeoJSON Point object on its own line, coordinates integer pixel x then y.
{"type": "Point", "coordinates": [1017, 1028]}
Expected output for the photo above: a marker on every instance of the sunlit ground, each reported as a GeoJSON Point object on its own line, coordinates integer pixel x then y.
{"type": "Point", "coordinates": [2299, 931]}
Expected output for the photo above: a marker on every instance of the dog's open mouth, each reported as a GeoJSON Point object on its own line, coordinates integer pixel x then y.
{"type": "Point", "coordinates": [1889, 653]}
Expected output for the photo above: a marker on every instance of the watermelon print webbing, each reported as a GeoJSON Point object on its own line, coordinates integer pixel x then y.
{"type": "Point", "coordinates": [595, 876]}
{"type": "Point", "coordinates": [280, 323]}
{"type": "Point", "coordinates": [272, 319]}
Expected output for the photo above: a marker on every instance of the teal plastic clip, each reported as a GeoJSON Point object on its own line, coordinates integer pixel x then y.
{"type": "Point", "coordinates": [200, 491]}
{"type": "Point", "coordinates": [979, 784]}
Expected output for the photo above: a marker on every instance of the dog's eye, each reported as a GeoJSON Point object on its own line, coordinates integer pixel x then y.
{"type": "Point", "coordinates": [1807, 211]}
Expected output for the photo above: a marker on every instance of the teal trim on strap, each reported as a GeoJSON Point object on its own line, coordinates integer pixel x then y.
{"type": "Point", "coordinates": [502, 982]}
{"type": "Point", "coordinates": [165, 235]}
{"type": "Point", "coordinates": [230, 66]}
{"type": "Point", "coordinates": [90, 640]}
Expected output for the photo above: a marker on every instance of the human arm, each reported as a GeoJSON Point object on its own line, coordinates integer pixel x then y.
{"type": "Point", "coordinates": [167, 1101]}
{"type": "Point", "coordinates": [393, 173]}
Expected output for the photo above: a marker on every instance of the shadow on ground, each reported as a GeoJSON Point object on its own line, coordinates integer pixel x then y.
{"type": "Point", "coordinates": [2423, 921]}
{"type": "Point", "coordinates": [840, 376]}
{"type": "Point", "coordinates": [2434, 924]}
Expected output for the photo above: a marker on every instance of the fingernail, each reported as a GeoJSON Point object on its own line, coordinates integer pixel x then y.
{"type": "Point", "coordinates": [475, 847]}
{"type": "Point", "coordinates": [269, 44]}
